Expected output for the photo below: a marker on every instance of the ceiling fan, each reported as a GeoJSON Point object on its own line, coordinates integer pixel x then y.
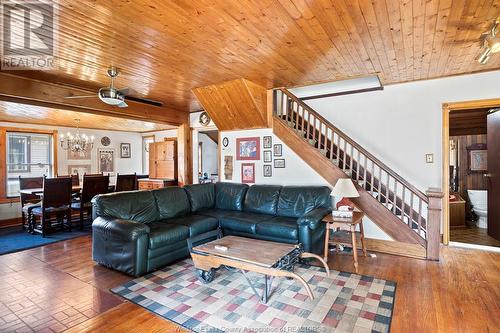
{"type": "Point", "coordinates": [113, 96]}
{"type": "Point", "coordinates": [491, 43]}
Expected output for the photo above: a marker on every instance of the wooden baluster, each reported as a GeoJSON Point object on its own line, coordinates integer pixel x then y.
{"type": "Point", "coordinates": [297, 118]}
{"type": "Point", "coordinates": [351, 159]}
{"type": "Point", "coordinates": [358, 167]}
{"type": "Point", "coordinates": [403, 203]}
{"type": "Point", "coordinates": [364, 174]}
{"type": "Point", "coordinates": [325, 144]}
{"type": "Point", "coordinates": [344, 159]}
{"type": "Point", "coordinates": [308, 125]}
{"type": "Point", "coordinates": [338, 150]}
{"type": "Point", "coordinates": [387, 191]}
{"type": "Point", "coordinates": [332, 137]}
{"type": "Point", "coordinates": [395, 197]}
{"type": "Point", "coordinates": [303, 121]}
{"type": "Point", "coordinates": [380, 184]}
{"type": "Point", "coordinates": [434, 223]}
{"type": "Point", "coordinates": [419, 220]}
{"type": "Point", "coordinates": [372, 177]}
{"type": "Point", "coordinates": [411, 210]}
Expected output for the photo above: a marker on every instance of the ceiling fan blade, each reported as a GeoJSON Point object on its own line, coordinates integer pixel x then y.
{"type": "Point", "coordinates": [143, 100]}
{"type": "Point", "coordinates": [125, 91]}
{"type": "Point", "coordinates": [122, 105]}
{"type": "Point", "coordinates": [83, 96]}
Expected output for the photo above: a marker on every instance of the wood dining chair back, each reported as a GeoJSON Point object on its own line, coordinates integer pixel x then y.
{"type": "Point", "coordinates": [93, 174]}
{"type": "Point", "coordinates": [75, 179]}
{"type": "Point", "coordinates": [125, 182]}
{"type": "Point", "coordinates": [29, 201]}
{"type": "Point", "coordinates": [56, 205]}
{"type": "Point", "coordinates": [92, 186]}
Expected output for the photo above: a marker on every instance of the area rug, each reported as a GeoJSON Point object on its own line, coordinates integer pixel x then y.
{"type": "Point", "coordinates": [344, 302]}
{"type": "Point", "coordinates": [13, 239]}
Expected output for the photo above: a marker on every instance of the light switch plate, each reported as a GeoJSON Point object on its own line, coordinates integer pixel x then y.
{"type": "Point", "coordinates": [429, 158]}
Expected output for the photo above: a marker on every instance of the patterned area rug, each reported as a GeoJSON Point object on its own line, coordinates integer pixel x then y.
{"type": "Point", "coordinates": [344, 302]}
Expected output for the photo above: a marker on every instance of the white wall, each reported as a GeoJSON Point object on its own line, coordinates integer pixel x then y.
{"type": "Point", "coordinates": [403, 122]}
{"type": "Point", "coordinates": [122, 165]}
{"type": "Point", "coordinates": [209, 154]}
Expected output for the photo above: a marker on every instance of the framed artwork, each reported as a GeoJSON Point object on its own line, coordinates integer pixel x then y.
{"type": "Point", "coordinates": [79, 169]}
{"type": "Point", "coordinates": [279, 163]}
{"type": "Point", "coordinates": [268, 156]}
{"type": "Point", "coordinates": [125, 150]}
{"type": "Point", "coordinates": [268, 170]}
{"type": "Point", "coordinates": [477, 158]}
{"type": "Point", "coordinates": [228, 167]}
{"type": "Point", "coordinates": [278, 150]}
{"type": "Point", "coordinates": [267, 142]}
{"type": "Point", "coordinates": [106, 160]}
{"type": "Point", "coordinates": [248, 149]}
{"type": "Point", "coordinates": [248, 173]}
{"type": "Point", "coordinates": [84, 155]}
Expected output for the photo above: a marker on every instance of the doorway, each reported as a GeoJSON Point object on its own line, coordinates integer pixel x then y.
{"type": "Point", "coordinates": [206, 152]}
{"type": "Point", "coordinates": [470, 175]}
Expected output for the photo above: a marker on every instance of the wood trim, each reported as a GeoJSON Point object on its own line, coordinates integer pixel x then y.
{"type": "Point", "coordinates": [219, 155]}
{"type": "Point", "coordinates": [10, 222]}
{"type": "Point", "coordinates": [447, 108]}
{"type": "Point", "coordinates": [394, 247]}
{"type": "Point", "coordinates": [3, 153]}
{"type": "Point", "coordinates": [350, 92]}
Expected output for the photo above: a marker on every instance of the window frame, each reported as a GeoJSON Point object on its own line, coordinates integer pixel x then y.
{"type": "Point", "coordinates": [3, 152]}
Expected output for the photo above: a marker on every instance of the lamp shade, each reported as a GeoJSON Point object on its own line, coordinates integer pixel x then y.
{"type": "Point", "coordinates": [344, 188]}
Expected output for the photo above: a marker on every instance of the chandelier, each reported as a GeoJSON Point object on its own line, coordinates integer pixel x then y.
{"type": "Point", "coordinates": [78, 143]}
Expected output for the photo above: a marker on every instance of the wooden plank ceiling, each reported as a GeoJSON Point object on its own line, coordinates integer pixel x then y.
{"type": "Point", "coordinates": [468, 122]}
{"type": "Point", "coordinates": [166, 48]}
{"type": "Point", "coordinates": [30, 114]}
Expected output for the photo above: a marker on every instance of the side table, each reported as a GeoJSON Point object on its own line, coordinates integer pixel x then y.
{"type": "Point", "coordinates": [349, 224]}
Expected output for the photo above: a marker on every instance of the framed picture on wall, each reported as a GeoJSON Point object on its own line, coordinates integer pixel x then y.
{"type": "Point", "coordinates": [248, 173]}
{"type": "Point", "coordinates": [477, 158]}
{"type": "Point", "coordinates": [79, 169]}
{"type": "Point", "coordinates": [268, 170]}
{"type": "Point", "coordinates": [268, 156]}
{"type": "Point", "coordinates": [106, 160]}
{"type": "Point", "coordinates": [83, 155]}
{"type": "Point", "coordinates": [278, 150]}
{"type": "Point", "coordinates": [125, 150]}
{"type": "Point", "coordinates": [267, 142]}
{"type": "Point", "coordinates": [248, 149]}
{"type": "Point", "coordinates": [279, 163]}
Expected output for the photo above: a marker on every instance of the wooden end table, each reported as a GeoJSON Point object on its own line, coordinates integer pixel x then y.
{"type": "Point", "coordinates": [349, 224]}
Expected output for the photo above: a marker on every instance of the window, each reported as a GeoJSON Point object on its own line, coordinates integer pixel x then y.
{"type": "Point", "coordinates": [28, 155]}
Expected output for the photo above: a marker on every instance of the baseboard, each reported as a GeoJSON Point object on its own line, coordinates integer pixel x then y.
{"type": "Point", "coordinates": [396, 248]}
{"type": "Point", "coordinates": [16, 221]}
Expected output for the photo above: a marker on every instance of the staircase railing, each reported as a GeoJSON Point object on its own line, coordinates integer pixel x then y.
{"type": "Point", "coordinates": [400, 197]}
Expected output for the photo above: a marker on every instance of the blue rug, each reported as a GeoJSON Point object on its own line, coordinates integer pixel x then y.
{"type": "Point", "coordinates": [13, 239]}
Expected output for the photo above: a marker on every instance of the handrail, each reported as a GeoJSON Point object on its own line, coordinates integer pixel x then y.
{"type": "Point", "coordinates": [353, 143]}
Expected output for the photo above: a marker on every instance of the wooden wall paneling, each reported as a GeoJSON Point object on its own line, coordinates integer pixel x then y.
{"type": "Point", "coordinates": [236, 104]}
{"type": "Point", "coordinates": [3, 166]}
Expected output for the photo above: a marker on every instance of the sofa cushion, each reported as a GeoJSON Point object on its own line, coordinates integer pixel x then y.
{"type": "Point", "coordinates": [172, 202]}
{"type": "Point", "coordinates": [279, 227]}
{"type": "Point", "coordinates": [201, 196]}
{"type": "Point", "coordinates": [296, 201]}
{"type": "Point", "coordinates": [230, 196]}
{"type": "Point", "coordinates": [262, 199]}
{"type": "Point", "coordinates": [197, 224]}
{"type": "Point", "coordinates": [139, 206]}
{"type": "Point", "coordinates": [242, 221]}
{"type": "Point", "coordinates": [163, 234]}
{"type": "Point", "coordinates": [215, 213]}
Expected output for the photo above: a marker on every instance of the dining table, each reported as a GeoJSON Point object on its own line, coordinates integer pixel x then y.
{"type": "Point", "coordinates": [39, 190]}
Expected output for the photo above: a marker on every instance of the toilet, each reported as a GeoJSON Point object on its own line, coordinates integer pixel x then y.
{"type": "Point", "coordinates": [479, 201]}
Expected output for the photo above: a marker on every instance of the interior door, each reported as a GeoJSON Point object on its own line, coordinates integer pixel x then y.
{"type": "Point", "coordinates": [494, 173]}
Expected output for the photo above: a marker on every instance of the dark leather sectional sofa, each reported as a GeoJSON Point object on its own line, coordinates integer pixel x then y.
{"type": "Point", "coordinates": [140, 231]}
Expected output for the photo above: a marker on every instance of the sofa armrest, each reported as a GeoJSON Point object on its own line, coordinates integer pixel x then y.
{"type": "Point", "coordinates": [123, 229]}
{"type": "Point", "coordinates": [314, 217]}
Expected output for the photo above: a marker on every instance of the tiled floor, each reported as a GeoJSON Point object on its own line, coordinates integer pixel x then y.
{"type": "Point", "coordinates": [473, 235]}
{"type": "Point", "coordinates": [37, 293]}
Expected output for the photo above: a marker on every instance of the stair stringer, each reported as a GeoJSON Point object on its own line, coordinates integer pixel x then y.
{"type": "Point", "coordinates": [376, 211]}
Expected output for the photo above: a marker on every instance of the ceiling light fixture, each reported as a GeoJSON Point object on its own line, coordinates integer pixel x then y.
{"type": "Point", "coordinates": [78, 143]}
{"type": "Point", "coordinates": [491, 44]}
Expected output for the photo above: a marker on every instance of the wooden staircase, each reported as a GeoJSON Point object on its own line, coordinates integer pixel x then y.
{"type": "Point", "coordinates": [401, 210]}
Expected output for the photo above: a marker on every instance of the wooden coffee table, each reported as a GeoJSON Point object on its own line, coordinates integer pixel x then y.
{"type": "Point", "coordinates": [271, 259]}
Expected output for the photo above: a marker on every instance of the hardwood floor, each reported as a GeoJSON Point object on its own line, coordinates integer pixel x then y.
{"type": "Point", "coordinates": [473, 235]}
{"type": "Point", "coordinates": [57, 286]}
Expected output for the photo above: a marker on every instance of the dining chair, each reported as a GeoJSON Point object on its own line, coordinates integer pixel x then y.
{"type": "Point", "coordinates": [93, 174]}
{"type": "Point", "coordinates": [75, 179]}
{"type": "Point", "coordinates": [125, 182]}
{"type": "Point", "coordinates": [29, 201]}
{"type": "Point", "coordinates": [92, 186]}
{"type": "Point", "coordinates": [56, 205]}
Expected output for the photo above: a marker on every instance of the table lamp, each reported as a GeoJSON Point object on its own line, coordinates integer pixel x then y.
{"type": "Point", "coordinates": [345, 188]}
